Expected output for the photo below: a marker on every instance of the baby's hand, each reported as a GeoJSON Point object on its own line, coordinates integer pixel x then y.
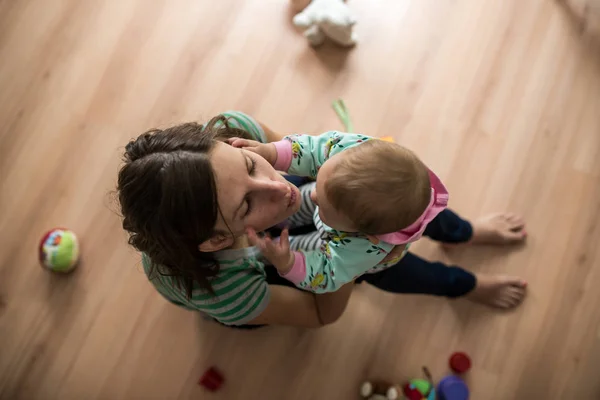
{"type": "Point", "coordinates": [266, 150]}
{"type": "Point", "coordinates": [276, 251]}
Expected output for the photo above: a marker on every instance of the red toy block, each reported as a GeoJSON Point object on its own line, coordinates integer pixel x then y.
{"type": "Point", "coordinates": [211, 380]}
{"type": "Point", "coordinates": [460, 362]}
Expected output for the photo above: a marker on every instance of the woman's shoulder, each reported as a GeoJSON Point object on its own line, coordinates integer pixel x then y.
{"type": "Point", "coordinates": [243, 121]}
{"type": "Point", "coordinates": [240, 290]}
{"type": "Point", "coordinates": [231, 262]}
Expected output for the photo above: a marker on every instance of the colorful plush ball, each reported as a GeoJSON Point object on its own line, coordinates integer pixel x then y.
{"type": "Point", "coordinates": [59, 250]}
{"type": "Point", "coordinates": [419, 389]}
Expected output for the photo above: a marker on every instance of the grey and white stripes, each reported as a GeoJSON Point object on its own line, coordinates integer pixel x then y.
{"type": "Point", "coordinates": [306, 216]}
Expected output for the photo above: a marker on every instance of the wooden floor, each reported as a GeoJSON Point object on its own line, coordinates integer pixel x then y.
{"type": "Point", "coordinates": [501, 97]}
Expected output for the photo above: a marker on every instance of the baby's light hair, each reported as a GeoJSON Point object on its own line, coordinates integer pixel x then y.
{"type": "Point", "coordinates": [381, 187]}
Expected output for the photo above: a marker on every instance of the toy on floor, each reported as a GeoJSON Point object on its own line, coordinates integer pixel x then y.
{"type": "Point", "coordinates": [453, 387]}
{"type": "Point", "coordinates": [344, 115]}
{"type": "Point", "coordinates": [460, 362]}
{"type": "Point", "coordinates": [380, 390]}
{"type": "Point", "coordinates": [212, 379]}
{"type": "Point", "coordinates": [342, 112]}
{"type": "Point", "coordinates": [59, 250]}
{"type": "Point", "coordinates": [420, 389]}
{"type": "Point", "coordinates": [326, 19]}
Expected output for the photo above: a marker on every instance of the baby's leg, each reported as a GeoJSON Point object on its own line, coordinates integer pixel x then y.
{"type": "Point", "coordinates": [414, 275]}
{"type": "Point", "coordinates": [500, 228]}
{"type": "Point", "coordinates": [418, 276]}
{"type": "Point", "coordinates": [500, 291]}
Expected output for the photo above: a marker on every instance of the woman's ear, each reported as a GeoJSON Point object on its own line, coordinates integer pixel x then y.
{"type": "Point", "coordinates": [216, 243]}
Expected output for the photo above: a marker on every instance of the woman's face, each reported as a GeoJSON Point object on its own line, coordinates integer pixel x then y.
{"type": "Point", "coordinates": [250, 192]}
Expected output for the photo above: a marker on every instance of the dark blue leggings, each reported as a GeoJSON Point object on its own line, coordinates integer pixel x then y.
{"type": "Point", "coordinates": [418, 276]}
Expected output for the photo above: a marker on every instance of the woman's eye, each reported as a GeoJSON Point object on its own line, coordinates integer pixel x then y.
{"type": "Point", "coordinates": [248, 207]}
{"type": "Point", "coordinates": [251, 165]}
{"type": "Point", "coordinates": [251, 170]}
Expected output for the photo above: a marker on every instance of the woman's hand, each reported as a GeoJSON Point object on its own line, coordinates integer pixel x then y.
{"type": "Point", "coordinates": [276, 251]}
{"type": "Point", "coordinates": [266, 150]}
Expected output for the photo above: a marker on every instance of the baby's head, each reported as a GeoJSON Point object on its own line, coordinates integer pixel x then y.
{"type": "Point", "coordinates": [374, 188]}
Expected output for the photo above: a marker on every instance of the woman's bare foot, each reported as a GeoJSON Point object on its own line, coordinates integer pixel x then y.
{"type": "Point", "coordinates": [500, 228]}
{"type": "Point", "coordinates": [498, 291]}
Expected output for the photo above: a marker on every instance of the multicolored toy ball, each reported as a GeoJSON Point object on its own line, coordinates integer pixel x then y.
{"type": "Point", "coordinates": [59, 250]}
{"type": "Point", "coordinates": [419, 389]}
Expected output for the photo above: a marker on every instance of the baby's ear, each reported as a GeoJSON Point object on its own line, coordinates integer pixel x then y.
{"type": "Point", "coordinates": [215, 243]}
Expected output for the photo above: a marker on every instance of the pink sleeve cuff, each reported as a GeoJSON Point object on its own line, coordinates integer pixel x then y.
{"type": "Point", "coordinates": [298, 271]}
{"type": "Point", "coordinates": [284, 155]}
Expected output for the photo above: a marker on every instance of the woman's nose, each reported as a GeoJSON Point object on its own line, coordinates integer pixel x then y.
{"type": "Point", "coordinates": [275, 189]}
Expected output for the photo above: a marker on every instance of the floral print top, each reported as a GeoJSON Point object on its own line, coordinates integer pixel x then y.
{"type": "Point", "coordinates": [343, 256]}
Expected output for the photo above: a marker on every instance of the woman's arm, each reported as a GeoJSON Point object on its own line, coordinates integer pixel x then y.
{"type": "Point", "coordinates": [331, 306]}
{"type": "Point", "coordinates": [293, 307]}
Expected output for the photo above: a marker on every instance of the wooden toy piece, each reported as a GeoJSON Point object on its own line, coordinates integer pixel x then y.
{"type": "Point", "coordinates": [212, 380]}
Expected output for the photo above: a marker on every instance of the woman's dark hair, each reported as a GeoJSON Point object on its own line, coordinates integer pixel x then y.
{"type": "Point", "coordinates": [168, 198]}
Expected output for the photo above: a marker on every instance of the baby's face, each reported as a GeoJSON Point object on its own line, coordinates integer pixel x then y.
{"type": "Point", "coordinates": [328, 214]}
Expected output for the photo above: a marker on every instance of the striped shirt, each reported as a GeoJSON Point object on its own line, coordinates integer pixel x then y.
{"type": "Point", "coordinates": [241, 289]}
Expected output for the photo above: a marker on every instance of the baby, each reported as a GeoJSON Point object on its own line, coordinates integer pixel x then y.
{"type": "Point", "coordinates": [371, 195]}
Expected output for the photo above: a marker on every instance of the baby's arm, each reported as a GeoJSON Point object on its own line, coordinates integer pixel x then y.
{"type": "Point", "coordinates": [303, 155]}
{"type": "Point", "coordinates": [339, 261]}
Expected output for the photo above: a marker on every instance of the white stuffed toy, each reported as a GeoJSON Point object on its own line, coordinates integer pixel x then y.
{"type": "Point", "coordinates": [327, 18]}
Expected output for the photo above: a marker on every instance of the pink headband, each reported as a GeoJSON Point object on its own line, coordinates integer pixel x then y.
{"type": "Point", "coordinates": [412, 233]}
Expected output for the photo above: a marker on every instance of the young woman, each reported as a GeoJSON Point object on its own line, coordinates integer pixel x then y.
{"type": "Point", "coordinates": [187, 198]}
